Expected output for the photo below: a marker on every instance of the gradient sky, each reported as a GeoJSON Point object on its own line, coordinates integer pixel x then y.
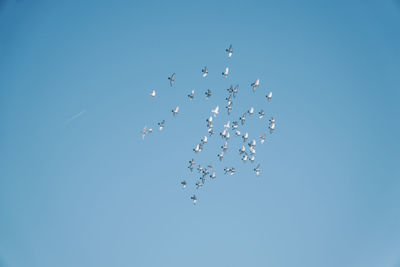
{"type": "Point", "coordinates": [88, 191]}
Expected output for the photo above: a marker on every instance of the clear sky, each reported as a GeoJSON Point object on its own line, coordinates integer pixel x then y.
{"type": "Point", "coordinates": [79, 186]}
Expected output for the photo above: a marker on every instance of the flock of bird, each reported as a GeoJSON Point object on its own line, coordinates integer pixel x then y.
{"type": "Point", "coordinates": [247, 153]}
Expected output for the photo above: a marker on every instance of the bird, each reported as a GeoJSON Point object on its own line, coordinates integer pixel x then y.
{"type": "Point", "coordinates": [237, 133]}
{"type": "Point", "coordinates": [199, 184]}
{"type": "Point", "coordinates": [251, 111]}
{"type": "Point", "coordinates": [235, 90]}
{"type": "Point", "coordinates": [211, 131]}
{"type": "Point", "coordinates": [227, 125]}
{"type": "Point", "coordinates": [226, 72]}
{"type": "Point", "coordinates": [205, 71]}
{"type": "Point", "coordinates": [263, 137]}
{"type": "Point", "coordinates": [153, 93]}
{"type": "Point", "coordinates": [197, 148]}
{"type": "Point", "coordinates": [252, 158]}
{"type": "Point", "coordinates": [225, 146]}
{"type": "Point", "coordinates": [191, 164]}
{"type": "Point", "coordinates": [175, 111]}
{"type": "Point", "coordinates": [252, 150]}
{"type": "Point", "coordinates": [200, 168]}
{"type": "Point", "coordinates": [215, 111]}
{"type": "Point", "coordinates": [194, 198]}
{"type": "Point", "coordinates": [257, 170]}
{"type": "Point", "coordinates": [230, 51]}
{"type": "Point", "coordinates": [212, 176]}
{"type": "Point", "coordinates": [245, 137]}
{"type": "Point", "coordinates": [271, 127]}
{"type": "Point", "coordinates": [149, 130]}
{"type": "Point", "coordinates": [204, 140]}
{"type": "Point", "coordinates": [252, 143]}
{"type": "Point", "coordinates": [171, 79]}
{"type": "Point", "coordinates": [143, 132]}
{"type": "Point", "coordinates": [243, 118]}
{"type": "Point", "coordinates": [242, 150]}
{"type": "Point", "coordinates": [208, 93]}
{"type": "Point", "coordinates": [245, 157]}
{"type": "Point", "coordinates": [261, 114]}
{"type": "Point", "coordinates": [255, 84]}
{"type": "Point", "coordinates": [230, 89]}
{"type": "Point", "coordinates": [235, 125]}
{"type": "Point", "coordinates": [161, 125]}
{"type": "Point", "coordinates": [191, 95]}
{"type": "Point", "coordinates": [221, 155]}
{"type": "Point", "coordinates": [183, 183]}
{"type": "Point", "coordinates": [269, 96]}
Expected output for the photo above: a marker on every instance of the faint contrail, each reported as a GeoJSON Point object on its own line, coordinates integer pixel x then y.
{"type": "Point", "coordinates": [74, 117]}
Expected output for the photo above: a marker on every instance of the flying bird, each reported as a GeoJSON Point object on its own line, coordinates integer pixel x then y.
{"type": "Point", "coordinates": [191, 164]}
{"type": "Point", "coordinates": [194, 198]}
{"type": "Point", "coordinates": [263, 137]}
{"type": "Point", "coordinates": [235, 90]}
{"type": "Point", "coordinates": [175, 111]}
{"type": "Point", "coordinates": [208, 93]}
{"type": "Point", "coordinates": [230, 51]}
{"type": "Point", "coordinates": [255, 84]}
{"type": "Point", "coordinates": [143, 132]}
{"type": "Point", "coordinates": [153, 93]}
{"type": "Point", "coordinates": [245, 137]}
{"type": "Point", "coordinates": [261, 114]}
{"type": "Point", "coordinates": [191, 95]}
{"type": "Point", "coordinates": [269, 96]}
{"type": "Point", "coordinates": [204, 71]}
{"type": "Point", "coordinates": [226, 72]}
{"type": "Point", "coordinates": [183, 183]}
{"type": "Point", "coordinates": [251, 111]}
{"type": "Point", "coordinates": [215, 111]}
{"type": "Point", "coordinates": [161, 125]}
{"type": "Point", "coordinates": [171, 79]}
{"type": "Point", "coordinates": [257, 170]}
{"type": "Point", "coordinates": [204, 140]}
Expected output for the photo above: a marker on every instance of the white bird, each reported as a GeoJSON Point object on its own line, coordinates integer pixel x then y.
{"type": "Point", "coordinates": [261, 114]}
{"type": "Point", "coordinates": [212, 176]}
{"type": "Point", "coordinates": [230, 51]}
{"type": "Point", "coordinates": [237, 133]}
{"type": "Point", "coordinates": [252, 158]}
{"type": "Point", "coordinates": [197, 148]}
{"type": "Point", "coordinates": [245, 137]}
{"type": "Point", "coordinates": [205, 71]}
{"type": "Point", "coordinates": [235, 125]}
{"type": "Point", "coordinates": [263, 137]}
{"type": "Point", "coordinates": [257, 170]}
{"type": "Point", "coordinates": [235, 90]}
{"type": "Point", "coordinates": [191, 95]}
{"type": "Point", "coordinates": [271, 127]}
{"type": "Point", "coordinates": [198, 185]}
{"type": "Point", "coordinates": [245, 157]}
{"type": "Point", "coordinates": [227, 125]}
{"type": "Point", "coordinates": [227, 136]}
{"type": "Point", "coordinates": [253, 143]}
{"type": "Point", "coordinates": [242, 150]}
{"type": "Point", "coordinates": [252, 150]}
{"type": "Point", "coordinates": [269, 96]}
{"type": "Point", "coordinates": [221, 155]}
{"type": "Point", "coordinates": [149, 130]}
{"type": "Point", "coordinates": [251, 111]}
{"type": "Point", "coordinates": [153, 94]}
{"type": "Point", "coordinates": [183, 183]}
{"type": "Point", "coordinates": [171, 79]}
{"type": "Point", "coordinates": [161, 125]}
{"type": "Point", "coordinates": [225, 146]}
{"type": "Point", "coordinates": [191, 164]}
{"type": "Point", "coordinates": [272, 120]}
{"type": "Point", "coordinates": [211, 131]}
{"type": "Point", "coordinates": [255, 84]}
{"type": "Point", "coordinates": [243, 118]}
{"type": "Point", "coordinates": [143, 132]}
{"type": "Point", "coordinates": [194, 198]}
{"type": "Point", "coordinates": [204, 140]}
{"type": "Point", "coordinates": [226, 72]}
{"type": "Point", "coordinates": [175, 111]}
{"type": "Point", "coordinates": [215, 111]}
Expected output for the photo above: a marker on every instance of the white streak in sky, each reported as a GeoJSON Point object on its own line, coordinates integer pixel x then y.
{"type": "Point", "coordinates": [74, 117]}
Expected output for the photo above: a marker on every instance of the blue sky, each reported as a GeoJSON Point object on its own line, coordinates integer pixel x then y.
{"type": "Point", "coordinates": [91, 192]}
